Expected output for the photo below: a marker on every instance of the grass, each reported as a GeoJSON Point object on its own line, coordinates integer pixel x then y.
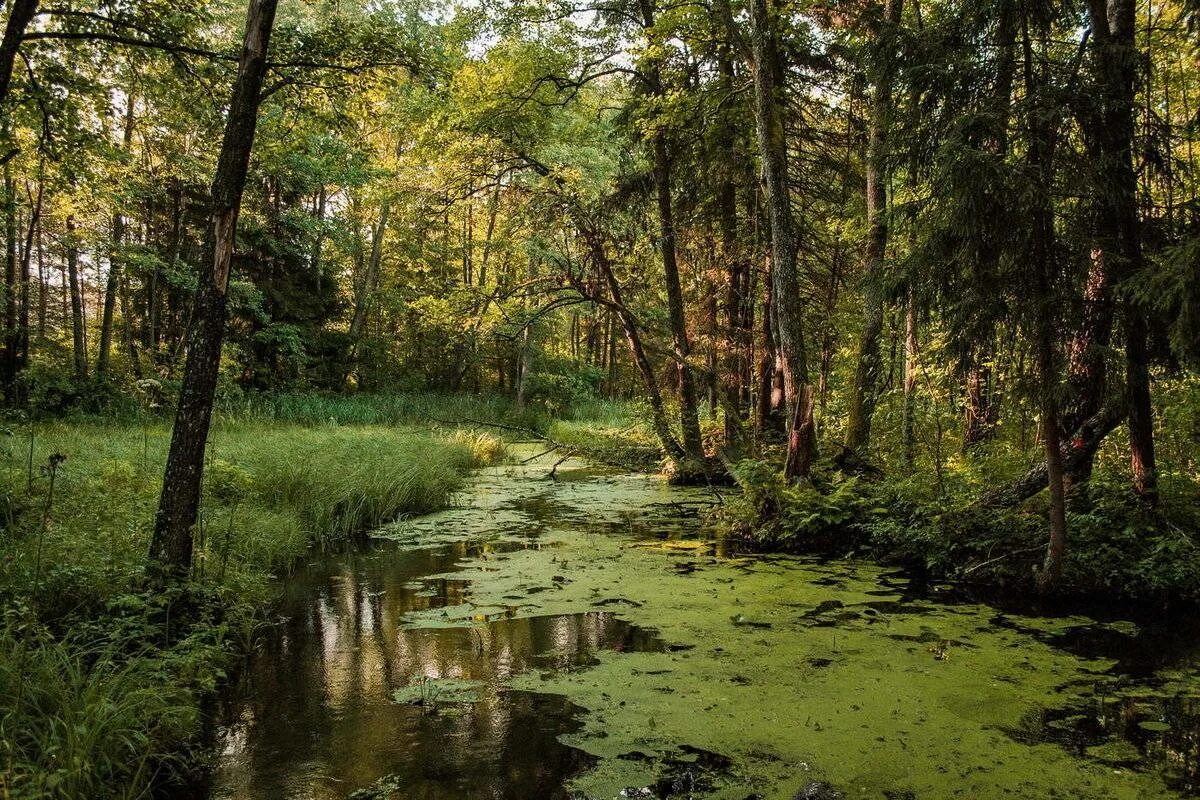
{"type": "Point", "coordinates": [83, 720]}
{"type": "Point", "coordinates": [413, 408]}
{"type": "Point", "coordinates": [100, 681]}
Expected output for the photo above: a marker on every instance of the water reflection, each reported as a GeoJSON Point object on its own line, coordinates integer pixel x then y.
{"type": "Point", "coordinates": [316, 719]}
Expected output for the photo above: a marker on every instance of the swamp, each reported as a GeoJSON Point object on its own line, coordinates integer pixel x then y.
{"type": "Point", "coordinates": [599, 399]}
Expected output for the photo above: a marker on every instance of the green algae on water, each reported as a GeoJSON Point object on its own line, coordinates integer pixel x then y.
{"type": "Point", "coordinates": [439, 691]}
{"type": "Point", "coordinates": [795, 671]}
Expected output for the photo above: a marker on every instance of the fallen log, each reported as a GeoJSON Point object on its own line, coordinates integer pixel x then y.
{"type": "Point", "coordinates": [1078, 452]}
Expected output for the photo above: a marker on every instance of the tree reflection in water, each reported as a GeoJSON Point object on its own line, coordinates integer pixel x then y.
{"type": "Point", "coordinates": [315, 718]}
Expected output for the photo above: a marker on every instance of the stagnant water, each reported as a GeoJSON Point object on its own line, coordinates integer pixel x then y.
{"type": "Point", "coordinates": [586, 638]}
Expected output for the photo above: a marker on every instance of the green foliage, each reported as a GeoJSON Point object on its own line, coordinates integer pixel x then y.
{"type": "Point", "coordinates": [778, 513]}
{"type": "Point", "coordinates": [87, 719]}
{"type": "Point", "coordinates": [1122, 549]}
{"type": "Point", "coordinates": [1118, 549]}
{"type": "Point", "coordinates": [558, 392]}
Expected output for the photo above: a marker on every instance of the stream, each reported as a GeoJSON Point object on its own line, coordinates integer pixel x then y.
{"type": "Point", "coordinates": [587, 637]}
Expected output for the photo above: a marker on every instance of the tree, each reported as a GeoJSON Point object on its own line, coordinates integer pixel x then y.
{"type": "Point", "coordinates": [866, 376]}
{"type": "Point", "coordinates": [171, 546]}
{"type": "Point", "coordinates": [19, 16]}
{"type": "Point", "coordinates": [1118, 232]}
{"type": "Point", "coordinates": [785, 280]}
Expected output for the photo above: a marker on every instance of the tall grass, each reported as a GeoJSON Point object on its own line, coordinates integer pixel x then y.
{"type": "Point", "coordinates": [409, 408]}
{"type": "Point", "coordinates": [82, 720]}
{"type": "Point", "coordinates": [99, 680]}
{"type": "Point", "coordinates": [341, 481]}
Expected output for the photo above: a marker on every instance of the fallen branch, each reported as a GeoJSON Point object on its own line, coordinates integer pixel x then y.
{"type": "Point", "coordinates": [554, 470]}
{"type": "Point", "coordinates": [990, 561]}
{"type": "Point", "coordinates": [539, 455]}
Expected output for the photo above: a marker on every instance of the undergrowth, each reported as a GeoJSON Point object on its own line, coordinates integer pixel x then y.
{"type": "Point", "coordinates": [1118, 549]}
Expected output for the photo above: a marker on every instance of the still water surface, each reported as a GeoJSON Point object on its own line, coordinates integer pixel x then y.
{"type": "Point", "coordinates": [585, 637]}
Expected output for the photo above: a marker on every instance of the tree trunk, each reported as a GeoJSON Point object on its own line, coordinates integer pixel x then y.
{"type": "Point", "coordinates": [524, 365]}
{"type": "Point", "coordinates": [8, 359]}
{"type": "Point", "coordinates": [1118, 225]}
{"type": "Point", "coordinates": [25, 299]}
{"type": "Point", "coordinates": [658, 412]}
{"type": "Point", "coordinates": [43, 282]}
{"type": "Point", "coordinates": [909, 433]}
{"type": "Point", "coordinates": [785, 289]}
{"type": "Point", "coordinates": [736, 351]}
{"type": "Point", "coordinates": [78, 346]}
{"type": "Point", "coordinates": [866, 376]}
{"type": "Point", "coordinates": [171, 546]}
{"type": "Point", "coordinates": [980, 412]}
{"type": "Point", "coordinates": [115, 257]}
{"type": "Point", "coordinates": [1057, 547]}
{"type": "Point", "coordinates": [1042, 134]}
{"type": "Point", "coordinates": [19, 17]}
{"type": "Point", "coordinates": [689, 419]}
{"type": "Point", "coordinates": [979, 407]}
{"type": "Point", "coordinates": [366, 284]}
{"type": "Point", "coordinates": [319, 240]}
{"type": "Point", "coordinates": [689, 416]}
{"type": "Point", "coordinates": [131, 352]}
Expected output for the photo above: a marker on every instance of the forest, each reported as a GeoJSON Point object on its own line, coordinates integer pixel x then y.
{"type": "Point", "coordinates": [589, 399]}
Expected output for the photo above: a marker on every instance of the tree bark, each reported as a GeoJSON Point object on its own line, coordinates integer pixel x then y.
{"type": "Point", "coordinates": [785, 289]}
{"type": "Point", "coordinates": [1118, 224]}
{"type": "Point", "coordinates": [171, 545]}
{"type": "Point", "coordinates": [866, 377]}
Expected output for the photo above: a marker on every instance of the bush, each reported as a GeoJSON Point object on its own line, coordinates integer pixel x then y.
{"type": "Point", "coordinates": [776, 513]}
